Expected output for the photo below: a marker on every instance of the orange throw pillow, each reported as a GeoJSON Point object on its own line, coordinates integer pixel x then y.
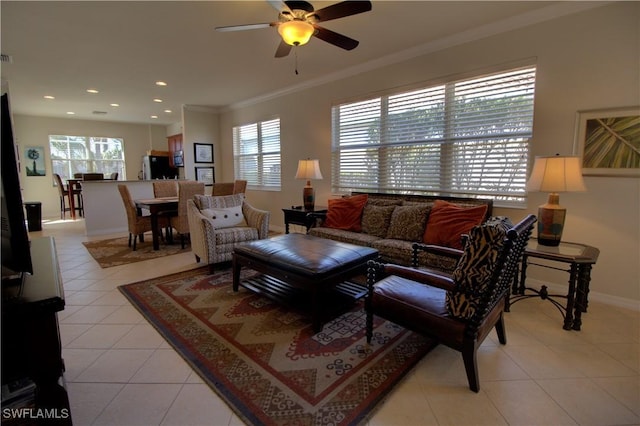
{"type": "Point", "coordinates": [448, 222]}
{"type": "Point", "coordinates": [346, 213]}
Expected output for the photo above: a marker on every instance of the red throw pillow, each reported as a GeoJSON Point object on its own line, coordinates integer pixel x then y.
{"type": "Point", "coordinates": [448, 222]}
{"type": "Point", "coordinates": [346, 213]}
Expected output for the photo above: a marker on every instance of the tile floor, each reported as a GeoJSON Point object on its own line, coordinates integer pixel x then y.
{"type": "Point", "coordinates": [121, 372]}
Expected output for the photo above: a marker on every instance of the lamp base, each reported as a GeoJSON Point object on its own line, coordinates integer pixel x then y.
{"type": "Point", "coordinates": [551, 218]}
{"type": "Point", "coordinates": [308, 198]}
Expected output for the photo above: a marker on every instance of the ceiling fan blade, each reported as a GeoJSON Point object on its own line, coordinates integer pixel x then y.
{"type": "Point", "coordinates": [283, 49]}
{"type": "Point", "coordinates": [340, 10]}
{"type": "Point", "coordinates": [279, 5]}
{"type": "Point", "coordinates": [335, 38]}
{"type": "Point", "coordinates": [246, 27]}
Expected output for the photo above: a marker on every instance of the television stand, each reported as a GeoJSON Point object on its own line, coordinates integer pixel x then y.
{"type": "Point", "coordinates": [31, 348]}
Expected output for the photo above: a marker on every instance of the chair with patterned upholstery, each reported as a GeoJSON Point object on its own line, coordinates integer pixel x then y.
{"type": "Point", "coordinates": [187, 190]}
{"type": "Point", "coordinates": [229, 188]}
{"type": "Point", "coordinates": [460, 309]}
{"type": "Point", "coordinates": [218, 223]}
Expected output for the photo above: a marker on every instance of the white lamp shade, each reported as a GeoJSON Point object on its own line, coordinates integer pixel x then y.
{"type": "Point", "coordinates": [308, 169]}
{"type": "Point", "coordinates": [556, 174]}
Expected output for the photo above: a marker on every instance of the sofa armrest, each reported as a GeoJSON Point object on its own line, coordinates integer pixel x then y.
{"type": "Point", "coordinates": [256, 218]}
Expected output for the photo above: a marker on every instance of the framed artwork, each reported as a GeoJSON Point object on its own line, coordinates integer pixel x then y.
{"type": "Point", "coordinates": [608, 141]}
{"type": "Point", "coordinates": [203, 152]}
{"type": "Point", "coordinates": [34, 161]}
{"type": "Point", "coordinates": [206, 175]}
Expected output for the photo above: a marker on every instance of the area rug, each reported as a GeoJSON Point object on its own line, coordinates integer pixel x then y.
{"type": "Point", "coordinates": [265, 361]}
{"type": "Point", "coordinates": [116, 251]}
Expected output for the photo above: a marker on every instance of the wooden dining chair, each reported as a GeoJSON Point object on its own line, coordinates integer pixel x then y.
{"type": "Point", "coordinates": [63, 192]}
{"type": "Point", "coordinates": [137, 223]}
{"type": "Point", "coordinates": [165, 188]}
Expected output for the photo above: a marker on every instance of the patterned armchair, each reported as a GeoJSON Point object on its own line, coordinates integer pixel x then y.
{"type": "Point", "coordinates": [218, 223]}
{"type": "Point", "coordinates": [460, 309]}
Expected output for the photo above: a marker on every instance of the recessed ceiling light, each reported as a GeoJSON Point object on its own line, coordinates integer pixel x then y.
{"type": "Point", "coordinates": [160, 83]}
{"type": "Point", "coordinates": [115, 105]}
{"type": "Point", "coordinates": [70, 113]}
{"type": "Point", "coordinates": [154, 116]}
{"type": "Point", "coordinates": [92, 91]}
{"type": "Point", "coordinates": [168, 111]}
{"type": "Point", "coordinates": [157, 100]}
{"type": "Point", "coordinates": [49, 97]}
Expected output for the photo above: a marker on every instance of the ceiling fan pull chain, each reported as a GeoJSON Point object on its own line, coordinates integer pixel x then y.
{"type": "Point", "coordinates": [295, 52]}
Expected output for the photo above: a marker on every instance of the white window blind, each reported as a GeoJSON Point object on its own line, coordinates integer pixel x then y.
{"type": "Point", "coordinates": [256, 153]}
{"type": "Point", "coordinates": [466, 138]}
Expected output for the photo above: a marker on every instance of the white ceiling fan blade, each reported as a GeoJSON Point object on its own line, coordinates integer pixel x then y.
{"type": "Point", "coordinates": [279, 5]}
{"type": "Point", "coordinates": [245, 27]}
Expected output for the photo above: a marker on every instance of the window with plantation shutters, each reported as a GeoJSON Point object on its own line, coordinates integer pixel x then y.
{"type": "Point", "coordinates": [256, 154]}
{"type": "Point", "coordinates": [464, 138]}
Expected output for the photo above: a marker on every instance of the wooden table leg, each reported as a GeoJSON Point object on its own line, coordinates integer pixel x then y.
{"type": "Point", "coordinates": [72, 203]}
{"type": "Point", "coordinates": [155, 232]}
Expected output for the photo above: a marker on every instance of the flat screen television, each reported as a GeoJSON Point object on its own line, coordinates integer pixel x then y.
{"type": "Point", "coordinates": [16, 252]}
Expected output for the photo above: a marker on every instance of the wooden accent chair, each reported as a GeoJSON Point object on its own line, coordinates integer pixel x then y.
{"type": "Point", "coordinates": [460, 309]}
{"type": "Point", "coordinates": [137, 223]}
{"type": "Point", "coordinates": [186, 191]}
{"type": "Point", "coordinates": [165, 188]}
{"type": "Point", "coordinates": [64, 192]}
{"type": "Point", "coordinates": [229, 188]}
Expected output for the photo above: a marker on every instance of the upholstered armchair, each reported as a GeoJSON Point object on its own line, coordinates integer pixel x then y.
{"type": "Point", "coordinates": [457, 309]}
{"type": "Point", "coordinates": [186, 191]}
{"type": "Point", "coordinates": [218, 223]}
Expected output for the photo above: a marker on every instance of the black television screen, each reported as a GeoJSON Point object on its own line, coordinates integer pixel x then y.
{"type": "Point", "coordinates": [16, 253]}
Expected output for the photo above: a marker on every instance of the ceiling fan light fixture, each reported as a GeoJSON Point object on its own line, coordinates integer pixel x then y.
{"type": "Point", "coordinates": [296, 33]}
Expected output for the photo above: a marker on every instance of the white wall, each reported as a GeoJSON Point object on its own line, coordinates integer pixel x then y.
{"type": "Point", "coordinates": [35, 131]}
{"type": "Point", "coordinates": [200, 125]}
{"type": "Point", "coordinates": [585, 61]}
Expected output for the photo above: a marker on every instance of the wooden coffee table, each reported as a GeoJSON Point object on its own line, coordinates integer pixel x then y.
{"type": "Point", "coordinates": [304, 272]}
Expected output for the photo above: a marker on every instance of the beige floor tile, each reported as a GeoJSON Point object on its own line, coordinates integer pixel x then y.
{"type": "Point", "coordinates": [140, 336]}
{"type": "Point", "coordinates": [77, 360]}
{"type": "Point", "coordinates": [196, 405]}
{"type": "Point", "coordinates": [70, 332]}
{"type": "Point", "coordinates": [139, 404]}
{"type": "Point", "coordinates": [100, 336]}
{"type": "Point", "coordinates": [115, 366]}
{"type": "Point", "coordinates": [541, 362]}
{"type": "Point", "coordinates": [587, 403]}
{"type": "Point", "coordinates": [125, 314]}
{"type": "Point", "coordinates": [523, 402]}
{"type": "Point", "coordinates": [83, 297]}
{"type": "Point", "coordinates": [400, 407]}
{"type": "Point", "coordinates": [88, 400]}
{"type": "Point", "coordinates": [113, 297]}
{"type": "Point", "coordinates": [89, 315]}
{"type": "Point", "coordinates": [627, 353]}
{"type": "Point", "coordinates": [163, 366]}
{"type": "Point", "coordinates": [591, 361]}
{"type": "Point", "coordinates": [624, 389]}
{"type": "Point", "coordinates": [456, 405]}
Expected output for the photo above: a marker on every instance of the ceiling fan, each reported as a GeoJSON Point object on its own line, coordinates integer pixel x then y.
{"type": "Point", "coordinates": [298, 22]}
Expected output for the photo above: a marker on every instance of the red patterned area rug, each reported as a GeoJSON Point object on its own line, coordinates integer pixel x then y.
{"type": "Point", "coordinates": [264, 359]}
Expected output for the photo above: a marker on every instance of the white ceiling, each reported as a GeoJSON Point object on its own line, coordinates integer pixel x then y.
{"type": "Point", "coordinates": [122, 47]}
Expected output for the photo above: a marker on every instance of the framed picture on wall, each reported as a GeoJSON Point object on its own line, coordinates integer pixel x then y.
{"type": "Point", "coordinates": [206, 175]}
{"type": "Point", "coordinates": [608, 141]}
{"type": "Point", "coordinates": [203, 152]}
{"type": "Point", "coordinates": [34, 161]}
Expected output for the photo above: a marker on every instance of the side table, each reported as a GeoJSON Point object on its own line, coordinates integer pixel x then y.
{"type": "Point", "coordinates": [580, 258]}
{"type": "Point", "coordinates": [300, 216]}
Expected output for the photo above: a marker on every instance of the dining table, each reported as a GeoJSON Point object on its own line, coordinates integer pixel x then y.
{"type": "Point", "coordinates": [156, 206]}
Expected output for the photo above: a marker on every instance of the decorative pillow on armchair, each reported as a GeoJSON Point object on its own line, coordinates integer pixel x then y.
{"type": "Point", "coordinates": [448, 222]}
{"type": "Point", "coordinates": [346, 213]}
{"type": "Point", "coordinates": [476, 266]}
{"type": "Point", "coordinates": [225, 218]}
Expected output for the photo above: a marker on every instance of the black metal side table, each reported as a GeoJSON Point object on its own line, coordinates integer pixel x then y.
{"type": "Point", "coordinates": [300, 216]}
{"type": "Point", "coordinates": [580, 258]}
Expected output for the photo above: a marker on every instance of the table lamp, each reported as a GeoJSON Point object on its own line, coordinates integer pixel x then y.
{"type": "Point", "coordinates": [308, 169]}
{"type": "Point", "coordinates": [554, 174]}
